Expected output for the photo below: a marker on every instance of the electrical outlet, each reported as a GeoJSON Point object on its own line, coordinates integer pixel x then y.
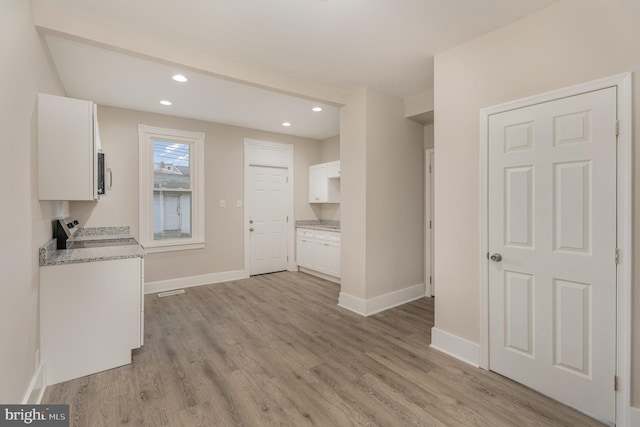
{"type": "Point", "coordinates": [239, 204]}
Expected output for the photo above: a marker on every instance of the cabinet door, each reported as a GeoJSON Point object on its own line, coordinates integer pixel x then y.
{"type": "Point", "coordinates": [66, 137]}
{"type": "Point", "coordinates": [333, 259]}
{"type": "Point", "coordinates": [321, 258]}
{"type": "Point", "coordinates": [334, 169]}
{"type": "Point", "coordinates": [318, 183]}
{"type": "Point", "coordinates": [304, 252]}
{"type": "Point", "coordinates": [89, 316]}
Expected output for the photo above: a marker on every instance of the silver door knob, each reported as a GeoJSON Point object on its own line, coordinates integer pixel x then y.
{"type": "Point", "coordinates": [251, 229]}
{"type": "Point", "coordinates": [496, 257]}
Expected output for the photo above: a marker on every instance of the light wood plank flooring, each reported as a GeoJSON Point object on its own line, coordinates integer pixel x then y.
{"type": "Point", "coordinates": [276, 350]}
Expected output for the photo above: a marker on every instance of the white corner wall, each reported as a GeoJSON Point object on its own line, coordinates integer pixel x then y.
{"type": "Point", "coordinates": [382, 186]}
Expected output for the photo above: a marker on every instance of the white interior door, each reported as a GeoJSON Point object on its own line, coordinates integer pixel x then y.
{"type": "Point", "coordinates": [552, 219]}
{"type": "Point", "coordinates": [268, 219]}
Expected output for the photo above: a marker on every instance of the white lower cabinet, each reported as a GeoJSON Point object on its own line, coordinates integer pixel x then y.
{"type": "Point", "coordinates": [319, 251]}
{"type": "Point", "coordinates": [91, 316]}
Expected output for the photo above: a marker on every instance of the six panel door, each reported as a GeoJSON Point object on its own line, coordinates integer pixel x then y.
{"type": "Point", "coordinates": [552, 218]}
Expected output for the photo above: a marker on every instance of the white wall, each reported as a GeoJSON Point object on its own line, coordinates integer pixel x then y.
{"type": "Point", "coordinates": [330, 149]}
{"type": "Point", "coordinates": [25, 70]}
{"type": "Point", "coordinates": [570, 42]}
{"type": "Point", "coordinates": [395, 197]}
{"type": "Point", "coordinates": [224, 177]}
{"type": "Point", "coordinates": [353, 169]}
{"type": "Point", "coordinates": [428, 136]}
{"type": "Point", "coordinates": [382, 189]}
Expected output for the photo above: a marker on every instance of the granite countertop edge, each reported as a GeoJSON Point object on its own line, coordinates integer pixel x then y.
{"type": "Point", "coordinates": [50, 255]}
{"type": "Point", "coordinates": [324, 225]}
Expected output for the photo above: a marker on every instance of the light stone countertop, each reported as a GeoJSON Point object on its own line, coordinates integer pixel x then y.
{"type": "Point", "coordinates": [319, 224]}
{"type": "Point", "coordinates": [49, 255]}
{"type": "Point", "coordinates": [102, 233]}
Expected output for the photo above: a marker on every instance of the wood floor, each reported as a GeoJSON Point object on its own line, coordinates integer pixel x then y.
{"type": "Point", "coordinates": [276, 350]}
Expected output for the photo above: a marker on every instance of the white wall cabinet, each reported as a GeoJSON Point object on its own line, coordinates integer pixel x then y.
{"type": "Point", "coordinates": [91, 316]}
{"type": "Point", "coordinates": [319, 251]}
{"type": "Point", "coordinates": [68, 144]}
{"type": "Point", "coordinates": [333, 170]}
{"type": "Point", "coordinates": [324, 183]}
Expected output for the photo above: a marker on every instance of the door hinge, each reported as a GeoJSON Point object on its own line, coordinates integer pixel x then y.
{"type": "Point", "coordinates": [617, 127]}
{"type": "Point", "coordinates": [617, 256]}
{"type": "Point", "coordinates": [287, 179]}
{"type": "Point", "coordinates": [287, 219]}
{"type": "Point", "coordinates": [430, 280]}
{"type": "Point", "coordinates": [429, 168]}
{"type": "Point", "coordinates": [430, 226]}
{"type": "Point", "coordinates": [487, 255]}
{"type": "Point", "coordinates": [287, 258]}
{"type": "Point", "coordinates": [615, 383]}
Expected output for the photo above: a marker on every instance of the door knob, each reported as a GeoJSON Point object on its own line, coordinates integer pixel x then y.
{"type": "Point", "coordinates": [251, 229]}
{"type": "Point", "coordinates": [496, 257]}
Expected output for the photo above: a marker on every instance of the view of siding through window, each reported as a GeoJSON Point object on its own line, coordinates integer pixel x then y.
{"type": "Point", "coordinates": [171, 190]}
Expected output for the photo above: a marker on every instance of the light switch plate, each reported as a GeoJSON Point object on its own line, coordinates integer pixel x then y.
{"type": "Point", "coordinates": [239, 204]}
{"type": "Point", "coordinates": [223, 203]}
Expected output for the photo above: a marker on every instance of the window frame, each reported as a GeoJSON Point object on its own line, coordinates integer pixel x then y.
{"type": "Point", "coordinates": [147, 135]}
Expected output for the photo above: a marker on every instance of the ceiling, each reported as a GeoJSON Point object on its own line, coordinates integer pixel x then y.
{"type": "Point", "coordinates": [344, 44]}
{"type": "Point", "coordinates": [115, 79]}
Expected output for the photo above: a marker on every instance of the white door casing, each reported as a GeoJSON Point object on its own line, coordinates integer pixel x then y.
{"type": "Point", "coordinates": [429, 245]}
{"type": "Point", "coordinates": [268, 219]}
{"type": "Point", "coordinates": [268, 156]}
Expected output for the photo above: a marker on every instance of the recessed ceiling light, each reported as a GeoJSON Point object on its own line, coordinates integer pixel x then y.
{"type": "Point", "coordinates": [316, 109]}
{"type": "Point", "coordinates": [286, 124]}
{"type": "Point", "coordinates": [165, 102]}
{"type": "Point", "coordinates": [180, 78]}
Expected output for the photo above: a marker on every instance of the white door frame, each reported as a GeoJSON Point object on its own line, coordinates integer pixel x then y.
{"type": "Point", "coordinates": [258, 153]}
{"type": "Point", "coordinates": [428, 232]}
{"type": "Point", "coordinates": [622, 82]}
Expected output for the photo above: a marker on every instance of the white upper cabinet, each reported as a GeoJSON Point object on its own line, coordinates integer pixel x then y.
{"type": "Point", "coordinates": [333, 170]}
{"type": "Point", "coordinates": [67, 149]}
{"type": "Point", "coordinates": [324, 188]}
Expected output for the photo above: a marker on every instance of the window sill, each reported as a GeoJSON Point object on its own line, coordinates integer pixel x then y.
{"type": "Point", "coordinates": [152, 248]}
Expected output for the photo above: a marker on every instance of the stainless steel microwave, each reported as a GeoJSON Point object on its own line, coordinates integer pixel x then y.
{"type": "Point", "coordinates": [102, 170]}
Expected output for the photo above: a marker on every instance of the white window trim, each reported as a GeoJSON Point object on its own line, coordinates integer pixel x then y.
{"type": "Point", "coordinates": [146, 136]}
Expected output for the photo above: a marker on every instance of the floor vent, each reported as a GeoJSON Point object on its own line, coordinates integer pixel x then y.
{"type": "Point", "coordinates": [169, 293]}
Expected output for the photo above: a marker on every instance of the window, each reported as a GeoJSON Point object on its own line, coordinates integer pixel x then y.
{"type": "Point", "coordinates": [171, 189]}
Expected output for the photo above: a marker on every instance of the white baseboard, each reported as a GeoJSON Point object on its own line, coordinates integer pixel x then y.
{"type": "Point", "coordinates": [635, 417]}
{"type": "Point", "coordinates": [320, 275]}
{"type": "Point", "coordinates": [355, 304]}
{"type": "Point", "coordinates": [36, 387]}
{"type": "Point", "coordinates": [382, 302]}
{"type": "Point", "coordinates": [454, 346]}
{"type": "Point", "coordinates": [188, 282]}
